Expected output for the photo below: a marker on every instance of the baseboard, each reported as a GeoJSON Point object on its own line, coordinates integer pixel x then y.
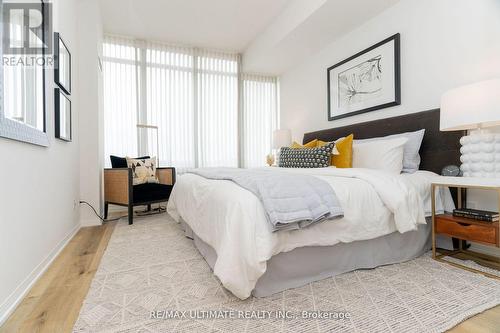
{"type": "Point", "coordinates": [11, 303]}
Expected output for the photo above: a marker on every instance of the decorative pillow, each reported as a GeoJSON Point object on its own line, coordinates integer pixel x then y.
{"type": "Point", "coordinates": [384, 155]}
{"type": "Point", "coordinates": [306, 157]}
{"type": "Point", "coordinates": [121, 162]}
{"type": "Point", "coordinates": [411, 156]}
{"type": "Point", "coordinates": [344, 146]}
{"type": "Point", "coordinates": [143, 170]}
{"type": "Point", "coordinates": [310, 144]}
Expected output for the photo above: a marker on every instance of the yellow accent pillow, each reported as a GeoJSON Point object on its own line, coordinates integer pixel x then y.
{"type": "Point", "coordinates": [311, 144]}
{"type": "Point", "coordinates": [344, 146]}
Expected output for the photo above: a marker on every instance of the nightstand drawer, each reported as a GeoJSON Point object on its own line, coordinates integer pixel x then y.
{"type": "Point", "coordinates": [466, 229]}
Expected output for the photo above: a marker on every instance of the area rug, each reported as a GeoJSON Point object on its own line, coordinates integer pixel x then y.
{"type": "Point", "coordinates": [152, 279]}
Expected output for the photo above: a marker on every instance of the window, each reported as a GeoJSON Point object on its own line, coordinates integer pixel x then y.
{"type": "Point", "coordinates": [120, 100]}
{"type": "Point", "coordinates": [168, 102]}
{"type": "Point", "coordinates": [217, 108]}
{"type": "Point", "coordinates": [260, 118]}
{"type": "Point", "coordinates": [193, 98]}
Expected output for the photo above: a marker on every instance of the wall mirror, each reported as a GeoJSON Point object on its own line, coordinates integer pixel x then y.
{"type": "Point", "coordinates": [62, 70]}
{"type": "Point", "coordinates": [22, 74]}
{"type": "Point", "coordinates": [63, 115]}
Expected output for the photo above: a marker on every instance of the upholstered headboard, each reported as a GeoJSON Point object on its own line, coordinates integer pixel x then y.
{"type": "Point", "coordinates": [438, 148]}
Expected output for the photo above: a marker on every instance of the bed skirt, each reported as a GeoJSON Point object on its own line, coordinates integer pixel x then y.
{"type": "Point", "coordinates": [313, 263]}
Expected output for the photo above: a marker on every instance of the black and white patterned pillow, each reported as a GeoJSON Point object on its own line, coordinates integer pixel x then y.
{"type": "Point", "coordinates": [143, 170]}
{"type": "Point", "coordinates": [306, 157]}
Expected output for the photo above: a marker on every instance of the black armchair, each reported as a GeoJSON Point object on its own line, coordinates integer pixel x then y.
{"type": "Point", "coordinates": [118, 188]}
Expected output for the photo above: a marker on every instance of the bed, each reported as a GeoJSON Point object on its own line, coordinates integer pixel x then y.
{"type": "Point", "coordinates": [384, 221]}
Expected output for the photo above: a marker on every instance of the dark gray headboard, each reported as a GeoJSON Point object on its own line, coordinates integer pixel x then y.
{"type": "Point", "coordinates": [438, 148]}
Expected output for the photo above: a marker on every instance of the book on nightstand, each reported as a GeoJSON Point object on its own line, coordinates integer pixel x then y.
{"type": "Point", "coordinates": [476, 214]}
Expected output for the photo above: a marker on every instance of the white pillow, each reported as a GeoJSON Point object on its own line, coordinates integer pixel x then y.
{"type": "Point", "coordinates": [380, 154]}
{"type": "Point", "coordinates": [411, 157]}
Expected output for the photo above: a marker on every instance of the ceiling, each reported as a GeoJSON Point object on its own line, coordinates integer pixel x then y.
{"type": "Point", "coordinates": [273, 35]}
{"type": "Point", "coordinates": [220, 24]}
{"type": "Point", "coordinates": [287, 41]}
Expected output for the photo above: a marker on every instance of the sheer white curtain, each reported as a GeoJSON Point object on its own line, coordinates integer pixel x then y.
{"type": "Point", "coordinates": [260, 118]}
{"type": "Point", "coordinates": [120, 98]}
{"type": "Point", "coordinates": [217, 109]}
{"type": "Point", "coordinates": [193, 97]}
{"type": "Point", "coordinates": [168, 101]}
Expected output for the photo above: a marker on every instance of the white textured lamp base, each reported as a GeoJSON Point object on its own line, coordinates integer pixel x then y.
{"type": "Point", "coordinates": [480, 154]}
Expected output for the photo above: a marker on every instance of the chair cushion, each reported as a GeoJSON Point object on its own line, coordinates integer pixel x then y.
{"type": "Point", "coordinates": [121, 162]}
{"type": "Point", "coordinates": [151, 192]}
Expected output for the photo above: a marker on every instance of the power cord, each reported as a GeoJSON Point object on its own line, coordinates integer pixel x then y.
{"type": "Point", "coordinates": [99, 216]}
{"type": "Point", "coordinates": [158, 210]}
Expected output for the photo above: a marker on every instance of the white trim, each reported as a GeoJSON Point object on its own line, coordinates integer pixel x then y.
{"type": "Point", "coordinates": [11, 303]}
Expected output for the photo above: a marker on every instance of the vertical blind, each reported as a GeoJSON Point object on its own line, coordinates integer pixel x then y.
{"type": "Point", "coordinates": [169, 102]}
{"type": "Point", "coordinates": [192, 97]}
{"type": "Point", "coordinates": [217, 109]}
{"type": "Point", "coordinates": [260, 119]}
{"type": "Point", "coordinates": [120, 99]}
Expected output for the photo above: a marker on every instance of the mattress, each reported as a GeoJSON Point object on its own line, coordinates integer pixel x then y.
{"type": "Point", "coordinates": [232, 221]}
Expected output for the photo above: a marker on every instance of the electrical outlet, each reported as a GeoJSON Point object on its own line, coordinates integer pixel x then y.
{"type": "Point", "coordinates": [75, 204]}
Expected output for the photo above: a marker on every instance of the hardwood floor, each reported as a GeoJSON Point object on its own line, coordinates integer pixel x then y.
{"type": "Point", "coordinates": [54, 303]}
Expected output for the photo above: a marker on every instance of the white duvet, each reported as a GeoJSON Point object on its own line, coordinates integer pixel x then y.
{"type": "Point", "coordinates": [232, 220]}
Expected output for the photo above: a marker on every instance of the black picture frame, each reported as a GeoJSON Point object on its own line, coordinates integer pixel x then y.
{"type": "Point", "coordinates": [61, 130]}
{"type": "Point", "coordinates": [397, 78]}
{"type": "Point", "coordinates": [58, 79]}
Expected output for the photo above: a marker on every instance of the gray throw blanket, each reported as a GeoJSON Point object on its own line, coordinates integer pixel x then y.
{"type": "Point", "coordinates": [291, 201]}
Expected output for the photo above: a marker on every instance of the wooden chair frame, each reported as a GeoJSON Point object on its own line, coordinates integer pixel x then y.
{"type": "Point", "coordinates": [118, 189]}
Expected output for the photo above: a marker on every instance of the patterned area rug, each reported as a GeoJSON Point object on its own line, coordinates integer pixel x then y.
{"type": "Point", "coordinates": [150, 270]}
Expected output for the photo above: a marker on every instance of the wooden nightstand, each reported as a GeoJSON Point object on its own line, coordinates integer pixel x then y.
{"type": "Point", "coordinates": [486, 233]}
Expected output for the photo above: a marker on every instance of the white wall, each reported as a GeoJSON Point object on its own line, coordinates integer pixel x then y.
{"type": "Point", "coordinates": [39, 187]}
{"type": "Point", "coordinates": [444, 43]}
{"type": "Point", "coordinates": [92, 115]}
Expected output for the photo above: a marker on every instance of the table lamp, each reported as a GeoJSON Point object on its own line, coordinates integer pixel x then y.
{"type": "Point", "coordinates": [475, 107]}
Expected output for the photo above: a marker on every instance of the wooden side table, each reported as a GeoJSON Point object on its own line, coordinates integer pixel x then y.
{"type": "Point", "coordinates": [486, 233]}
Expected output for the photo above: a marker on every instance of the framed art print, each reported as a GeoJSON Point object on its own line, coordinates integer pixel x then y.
{"type": "Point", "coordinates": [63, 116]}
{"type": "Point", "coordinates": [62, 66]}
{"type": "Point", "coordinates": [369, 80]}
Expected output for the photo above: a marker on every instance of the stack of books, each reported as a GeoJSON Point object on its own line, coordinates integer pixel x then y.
{"type": "Point", "coordinates": [476, 214]}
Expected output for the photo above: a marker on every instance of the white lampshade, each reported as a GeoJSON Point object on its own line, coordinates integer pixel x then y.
{"type": "Point", "coordinates": [472, 106]}
{"type": "Point", "coordinates": [282, 138]}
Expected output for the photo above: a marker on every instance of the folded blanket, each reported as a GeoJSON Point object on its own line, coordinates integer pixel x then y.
{"type": "Point", "coordinates": [291, 201]}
